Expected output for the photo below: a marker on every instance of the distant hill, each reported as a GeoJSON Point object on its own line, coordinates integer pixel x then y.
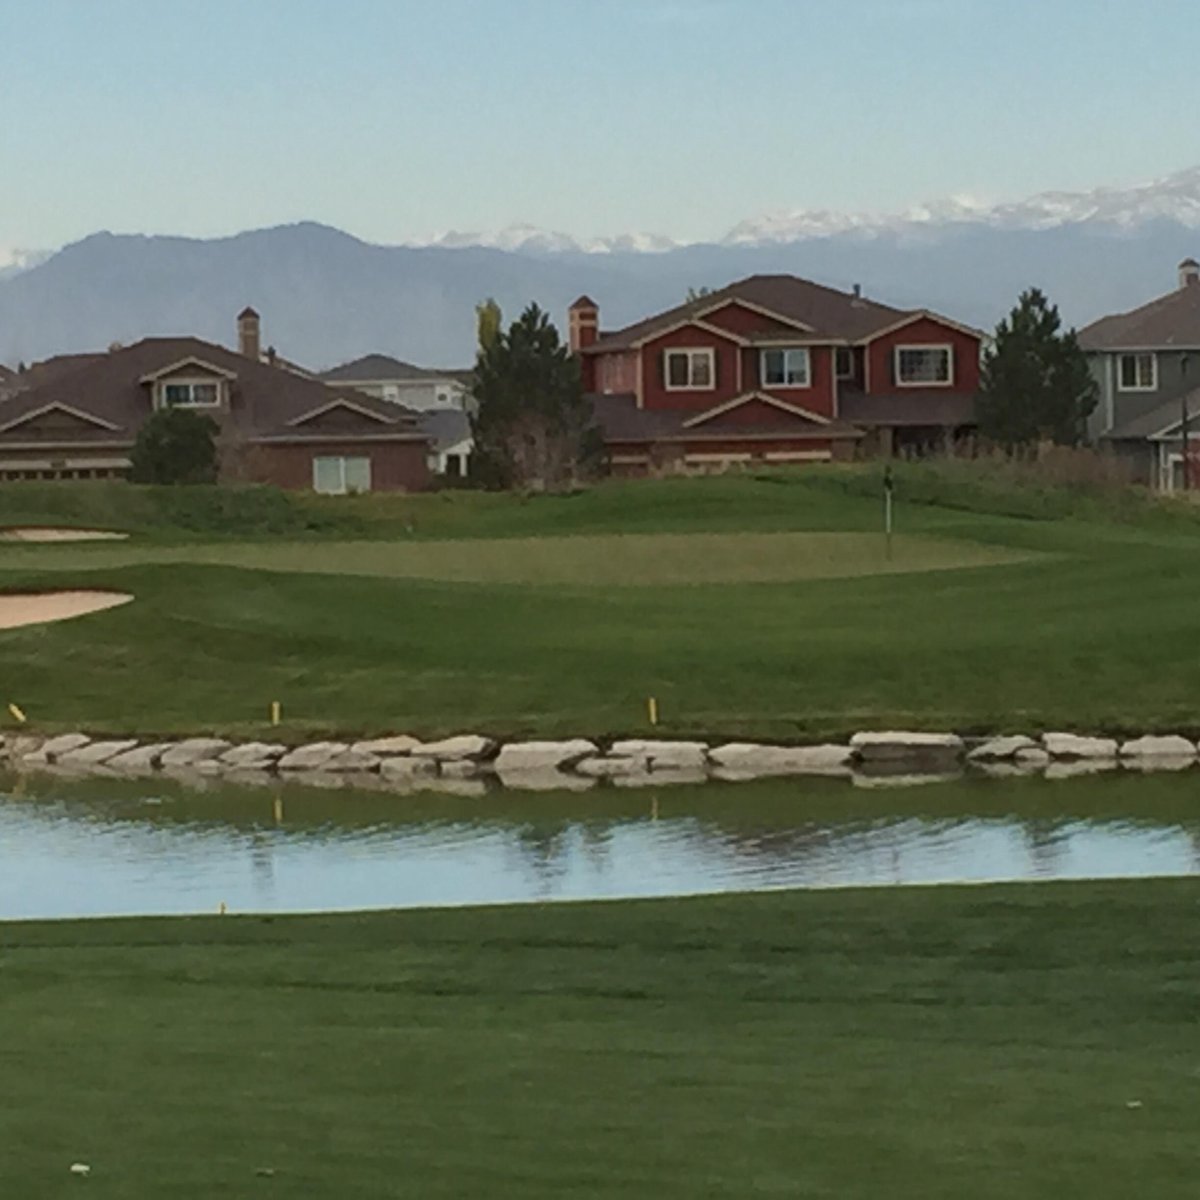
{"type": "Point", "coordinates": [326, 296]}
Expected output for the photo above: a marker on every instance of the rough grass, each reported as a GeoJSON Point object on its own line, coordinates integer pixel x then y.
{"type": "Point", "coordinates": [1037, 1041]}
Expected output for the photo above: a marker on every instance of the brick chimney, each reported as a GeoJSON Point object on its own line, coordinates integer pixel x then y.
{"type": "Point", "coordinates": [1189, 273]}
{"type": "Point", "coordinates": [249, 330]}
{"type": "Point", "coordinates": [583, 324]}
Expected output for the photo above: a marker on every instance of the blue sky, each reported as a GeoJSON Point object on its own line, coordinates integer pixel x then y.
{"type": "Point", "coordinates": [395, 119]}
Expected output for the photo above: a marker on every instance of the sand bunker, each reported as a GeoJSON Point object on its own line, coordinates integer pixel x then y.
{"type": "Point", "coordinates": [39, 608]}
{"type": "Point", "coordinates": [47, 533]}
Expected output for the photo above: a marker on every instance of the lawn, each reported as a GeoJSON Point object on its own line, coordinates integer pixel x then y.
{"type": "Point", "coordinates": [762, 607]}
{"type": "Point", "coordinates": [1032, 1041]}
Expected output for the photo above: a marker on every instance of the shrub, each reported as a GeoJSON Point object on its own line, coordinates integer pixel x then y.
{"type": "Point", "coordinates": [176, 446]}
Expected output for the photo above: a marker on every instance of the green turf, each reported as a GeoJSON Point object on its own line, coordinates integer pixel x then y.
{"type": "Point", "coordinates": [1000, 1042]}
{"type": "Point", "coordinates": [1086, 617]}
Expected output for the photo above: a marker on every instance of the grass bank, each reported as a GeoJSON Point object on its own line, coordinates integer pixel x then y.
{"type": "Point", "coordinates": [747, 606]}
{"type": "Point", "coordinates": [1031, 1041]}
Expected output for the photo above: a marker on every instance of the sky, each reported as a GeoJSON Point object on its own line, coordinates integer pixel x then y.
{"type": "Point", "coordinates": [400, 119]}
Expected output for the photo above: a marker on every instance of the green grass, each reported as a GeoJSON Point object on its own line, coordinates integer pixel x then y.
{"type": "Point", "coordinates": [765, 607]}
{"type": "Point", "coordinates": [982, 1042]}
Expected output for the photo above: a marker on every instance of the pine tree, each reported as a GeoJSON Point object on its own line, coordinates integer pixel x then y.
{"type": "Point", "coordinates": [532, 425]}
{"type": "Point", "coordinates": [1036, 383]}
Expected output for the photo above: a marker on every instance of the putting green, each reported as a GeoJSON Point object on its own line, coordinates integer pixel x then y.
{"type": "Point", "coordinates": [614, 559]}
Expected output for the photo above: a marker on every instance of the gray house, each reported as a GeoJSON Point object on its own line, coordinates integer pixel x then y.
{"type": "Point", "coordinates": [1147, 364]}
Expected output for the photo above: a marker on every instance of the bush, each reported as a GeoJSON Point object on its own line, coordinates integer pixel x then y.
{"type": "Point", "coordinates": [176, 446]}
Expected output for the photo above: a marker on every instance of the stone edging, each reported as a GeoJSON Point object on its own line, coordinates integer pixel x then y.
{"type": "Point", "coordinates": [472, 762]}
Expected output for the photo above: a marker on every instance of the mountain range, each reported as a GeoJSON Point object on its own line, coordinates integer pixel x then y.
{"type": "Point", "coordinates": [326, 296]}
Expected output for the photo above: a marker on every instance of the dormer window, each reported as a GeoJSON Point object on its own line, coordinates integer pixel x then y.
{"type": "Point", "coordinates": [690, 370]}
{"type": "Point", "coordinates": [924, 366]}
{"type": "Point", "coordinates": [785, 368]}
{"type": "Point", "coordinates": [191, 394]}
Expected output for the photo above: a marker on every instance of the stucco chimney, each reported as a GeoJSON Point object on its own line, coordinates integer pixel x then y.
{"type": "Point", "coordinates": [583, 324]}
{"type": "Point", "coordinates": [249, 334]}
{"type": "Point", "coordinates": [1189, 273]}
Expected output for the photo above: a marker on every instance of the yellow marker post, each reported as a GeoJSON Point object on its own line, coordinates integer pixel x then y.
{"type": "Point", "coordinates": [652, 710]}
{"type": "Point", "coordinates": [275, 712]}
{"type": "Point", "coordinates": [222, 908]}
{"type": "Point", "coordinates": [278, 810]}
{"type": "Point", "coordinates": [17, 714]}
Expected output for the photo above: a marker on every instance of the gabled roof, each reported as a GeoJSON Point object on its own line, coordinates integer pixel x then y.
{"type": "Point", "coordinates": [1162, 421]}
{"type": "Point", "coordinates": [824, 311]}
{"type": "Point", "coordinates": [1170, 322]}
{"type": "Point", "coordinates": [447, 427]}
{"type": "Point", "coordinates": [113, 391]}
{"type": "Point", "coordinates": [382, 368]}
{"type": "Point", "coordinates": [755, 397]}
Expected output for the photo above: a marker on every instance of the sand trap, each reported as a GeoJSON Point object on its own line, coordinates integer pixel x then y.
{"type": "Point", "coordinates": [39, 608]}
{"type": "Point", "coordinates": [47, 533]}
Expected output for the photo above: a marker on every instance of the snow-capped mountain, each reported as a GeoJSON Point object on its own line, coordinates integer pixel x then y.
{"type": "Point", "coordinates": [1173, 198]}
{"type": "Point", "coordinates": [13, 262]}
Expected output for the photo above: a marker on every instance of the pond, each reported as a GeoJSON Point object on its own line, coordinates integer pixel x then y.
{"type": "Point", "coordinates": [107, 847]}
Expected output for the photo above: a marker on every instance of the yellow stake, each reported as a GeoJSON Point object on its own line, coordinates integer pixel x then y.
{"type": "Point", "coordinates": [18, 715]}
{"type": "Point", "coordinates": [275, 710]}
{"type": "Point", "coordinates": [222, 908]}
{"type": "Point", "coordinates": [278, 810]}
{"type": "Point", "coordinates": [652, 710]}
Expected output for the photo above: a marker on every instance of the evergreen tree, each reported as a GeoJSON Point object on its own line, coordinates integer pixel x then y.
{"type": "Point", "coordinates": [532, 425]}
{"type": "Point", "coordinates": [175, 446]}
{"type": "Point", "coordinates": [1036, 383]}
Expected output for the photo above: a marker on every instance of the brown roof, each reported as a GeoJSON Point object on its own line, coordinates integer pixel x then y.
{"type": "Point", "coordinates": [379, 368]}
{"type": "Point", "coordinates": [620, 420]}
{"type": "Point", "coordinates": [112, 390]}
{"type": "Point", "coordinates": [839, 316]}
{"type": "Point", "coordinates": [1170, 322]}
{"type": "Point", "coordinates": [908, 407]}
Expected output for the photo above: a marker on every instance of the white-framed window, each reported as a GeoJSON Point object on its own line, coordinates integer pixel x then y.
{"type": "Point", "coordinates": [924, 366]}
{"type": "Point", "coordinates": [191, 393]}
{"type": "Point", "coordinates": [690, 370]}
{"type": "Point", "coordinates": [336, 475]}
{"type": "Point", "coordinates": [1137, 373]}
{"type": "Point", "coordinates": [785, 367]}
{"type": "Point", "coordinates": [844, 362]}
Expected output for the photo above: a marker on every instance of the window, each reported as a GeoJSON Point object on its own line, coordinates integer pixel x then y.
{"type": "Point", "coordinates": [845, 362]}
{"type": "Point", "coordinates": [337, 476]}
{"type": "Point", "coordinates": [924, 366]}
{"type": "Point", "coordinates": [1138, 373]}
{"type": "Point", "coordinates": [690, 370]}
{"type": "Point", "coordinates": [191, 395]}
{"type": "Point", "coordinates": [785, 368]}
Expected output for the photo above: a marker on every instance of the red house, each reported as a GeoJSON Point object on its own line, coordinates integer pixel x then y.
{"type": "Point", "coordinates": [776, 369]}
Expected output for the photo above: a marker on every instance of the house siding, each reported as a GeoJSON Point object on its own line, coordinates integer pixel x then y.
{"type": "Point", "coordinates": [395, 466]}
{"type": "Point", "coordinates": [881, 357]}
{"type": "Point", "coordinates": [1116, 407]}
{"type": "Point", "coordinates": [655, 393]}
{"type": "Point", "coordinates": [736, 318]}
{"type": "Point", "coordinates": [818, 397]}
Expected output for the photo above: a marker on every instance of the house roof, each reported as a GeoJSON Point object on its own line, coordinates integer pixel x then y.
{"type": "Point", "coordinates": [109, 396]}
{"type": "Point", "coordinates": [620, 420]}
{"type": "Point", "coordinates": [378, 368]}
{"type": "Point", "coordinates": [908, 407]}
{"type": "Point", "coordinates": [446, 427]}
{"type": "Point", "coordinates": [1170, 322]}
{"type": "Point", "coordinates": [824, 311]}
{"type": "Point", "coordinates": [1163, 418]}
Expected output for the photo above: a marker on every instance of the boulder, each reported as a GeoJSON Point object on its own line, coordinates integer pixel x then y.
{"type": "Point", "coordinates": [1001, 749]}
{"type": "Point", "coordinates": [545, 779]}
{"type": "Point", "coordinates": [403, 767]}
{"type": "Point", "coordinates": [249, 777]}
{"type": "Point", "coordinates": [468, 788]}
{"type": "Point", "coordinates": [387, 747]}
{"type": "Point", "coordinates": [95, 753]}
{"type": "Point", "coordinates": [312, 757]}
{"type": "Point", "coordinates": [360, 761]}
{"type": "Point", "coordinates": [1075, 746]}
{"type": "Point", "coordinates": [1034, 757]}
{"type": "Point", "coordinates": [18, 746]}
{"type": "Point", "coordinates": [662, 755]}
{"type": "Point", "coordinates": [140, 758]}
{"type": "Point", "coordinates": [193, 750]}
{"type": "Point", "coordinates": [543, 756]}
{"type": "Point", "coordinates": [253, 756]}
{"type": "Point", "coordinates": [610, 766]}
{"type": "Point", "coordinates": [748, 760]}
{"type": "Point", "coordinates": [1012, 768]}
{"type": "Point", "coordinates": [1150, 763]}
{"type": "Point", "coordinates": [1073, 768]}
{"type": "Point", "coordinates": [666, 777]}
{"type": "Point", "coordinates": [462, 768]}
{"type": "Point", "coordinates": [56, 747]}
{"type": "Point", "coordinates": [467, 745]}
{"type": "Point", "coordinates": [875, 747]}
{"type": "Point", "coordinates": [1171, 746]}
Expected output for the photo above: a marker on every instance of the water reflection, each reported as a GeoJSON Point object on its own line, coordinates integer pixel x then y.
{"type": "Point", "coordinates": [109, 846]}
